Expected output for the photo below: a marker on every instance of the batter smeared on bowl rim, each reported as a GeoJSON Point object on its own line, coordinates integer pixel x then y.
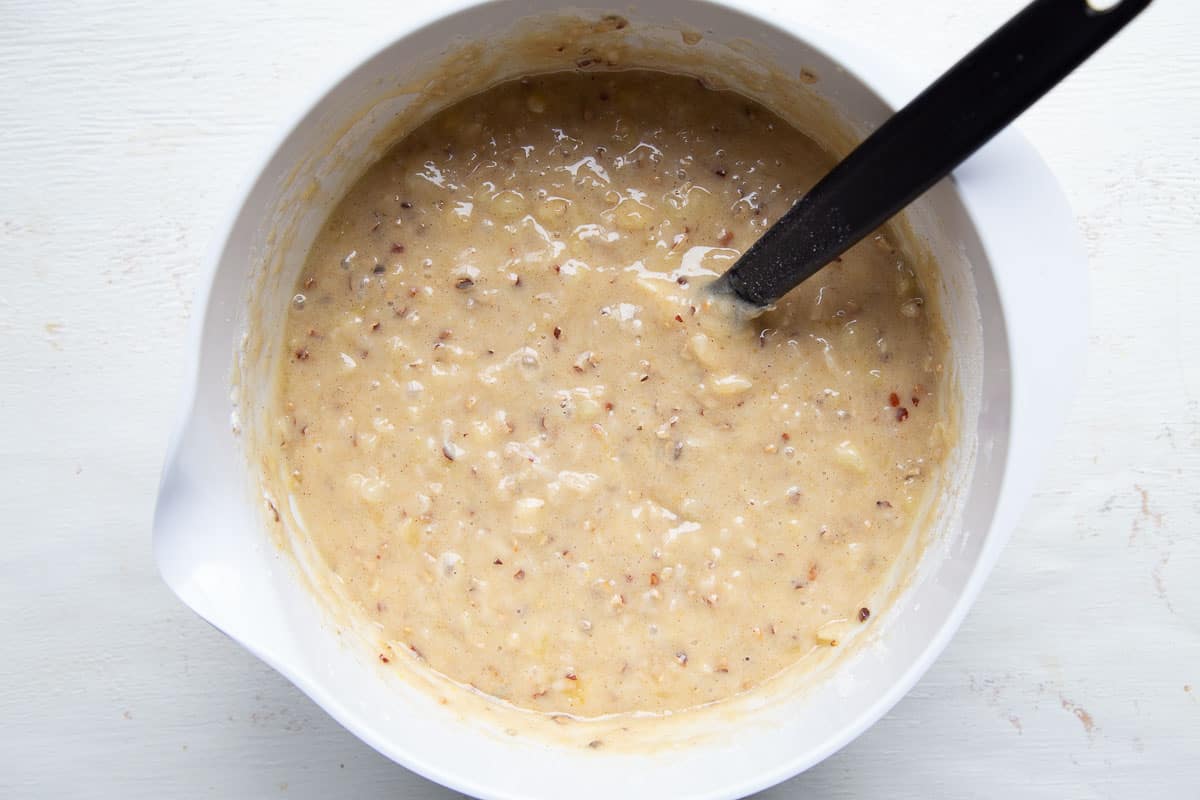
{"type": "Point", "coordinates": [543, 461]}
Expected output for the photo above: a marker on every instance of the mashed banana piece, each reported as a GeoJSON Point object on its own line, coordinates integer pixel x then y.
{"type": "Point", "coordinates": [541, 459]}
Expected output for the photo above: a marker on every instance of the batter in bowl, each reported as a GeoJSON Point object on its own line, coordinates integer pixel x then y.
{"type": "Point", "coordinates": [543, 461]}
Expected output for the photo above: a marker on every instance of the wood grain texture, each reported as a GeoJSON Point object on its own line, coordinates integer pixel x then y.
{"type": "Point", "coordinates": [124, 130]}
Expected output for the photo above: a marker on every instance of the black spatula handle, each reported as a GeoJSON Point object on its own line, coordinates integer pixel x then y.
{"type": "Point", "coordinates": [925, 140]}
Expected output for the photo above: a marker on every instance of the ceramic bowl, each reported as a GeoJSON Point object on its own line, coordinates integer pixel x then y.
{"type": "Point", "coordinates": [1013, 288]}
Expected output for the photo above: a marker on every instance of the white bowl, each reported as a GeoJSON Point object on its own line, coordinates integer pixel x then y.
{"type": "Point", "coordinates": [1014, 289]}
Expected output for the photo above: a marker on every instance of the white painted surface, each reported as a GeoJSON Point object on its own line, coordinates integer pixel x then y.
{"type": "Point", "coordinates": [123, 130]}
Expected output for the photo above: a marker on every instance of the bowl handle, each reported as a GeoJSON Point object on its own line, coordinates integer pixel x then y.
{"type": "Point", "coordinates": [211, 552]}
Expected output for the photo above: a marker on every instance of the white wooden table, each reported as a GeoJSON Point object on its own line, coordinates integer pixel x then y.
{"type": "Point", "coordinates": [124, 129]}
